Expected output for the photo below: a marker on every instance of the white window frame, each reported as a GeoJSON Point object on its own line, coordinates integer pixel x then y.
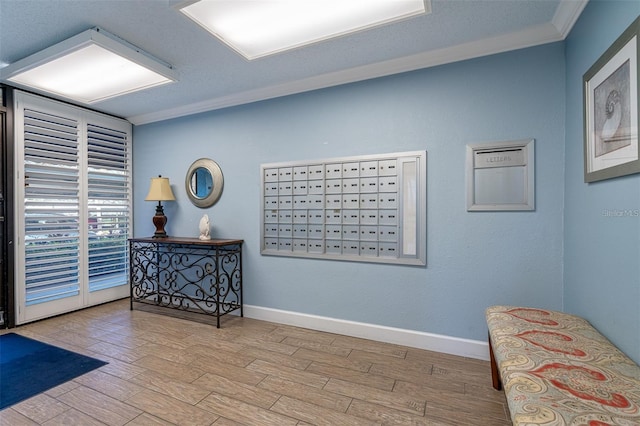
{"type": "Point", "coordinates": [84, 117]}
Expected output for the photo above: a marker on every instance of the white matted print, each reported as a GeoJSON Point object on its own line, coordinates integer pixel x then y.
{"type": "Point", "coordinates": [611, 110]}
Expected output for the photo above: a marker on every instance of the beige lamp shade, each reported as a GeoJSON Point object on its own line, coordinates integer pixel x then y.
{"type": "Point", "coordinates": [160, 190]}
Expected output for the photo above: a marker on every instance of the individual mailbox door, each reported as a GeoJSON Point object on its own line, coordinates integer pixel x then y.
{"type": "Point", "coordinates": [350, 201]}
{"type": "Point", "coordinates": [333, 247]}
{"type": "Point", "coordinates": [369, 233]}
{"type": "Point", "coordinates": [285, 174]}
{"type": "Point", "coordinates": [285, 202]}
{"type": "Point", "coordinates": [316, 216]}
{"type": "Point", "coordinates": [285, 244]}
{"type": "Point", "coordinates": [388, 233]}
{"type": "Point", "coordinates": [271, 243]}
{"type": "Point", "coordinates": [299, 245]}
{"type": "Point", "coordinates": [285, 216]}
{"type": "Point", "coordinates": [350, 186]}
{"type": "Point", "coordinates": [285, 188]}
{"type": "Point", "coordinates": [300, 187]}
{"type": "Point", "coordinates": [387, 167]}
{"type": "Point", "coordinates": [299, 201]}
{"type": "Point", "coordinates": [350, 232]}
{"type": "Point", "coordinates": [315, 201]}
{"type": "Point", "coordinates": [368, 168]}
{"type": "Point", "coordinates": [333, 171]}
{"type": "Point", "coordinates": [368, 248]}
{"type": "Point", "coordinates": [316, 172]}
{"type": "Point", "coordinates": [388, 201]}
{"type": "Point", "coordinates": [285, 230]}
{"type": "Point", "coordinates": [333, 186]}
{"type": "Point", "coordinates": [271, 230]}
{"type": "Point", "coordinates": [368, 201]}
{"type": "Point", "coordinates": [270, 189]}
{"type": "Point", "coordinates": [315, 246]}
{"type": "Point", "coordinates": [333, 201]}
{"type": "Point", "coordinates": [368, 217]}
{"type": "Point", "coordinates": [350, 217]}
{"type": "Point", "coordinates": [299, 231]}
{"type": "Point", "coordinates": [386, 249]}
{"type": "Point", "coordinates": [333, 217]}
{"type": "Point", "coordinates": [350, 170]}
{"type": "Point", "coordinates": [388, 217]}
{"type": "Point", "coordinates": [316, 231]}
{"type": "Point", "coordinates": [300, 216]}
{"type": "Point", "coordinates": [271, 216]}
{"type": "Point", "coordinates": [388, 184]}
{"type": "Point", "coordinates": [300, 173]}
{"type": "Point", "coordinates": [316, 187]}
{"type": "Point", "coordinates": [270, 175]}
{"type": "Point", "coordinates": [333, 232]}
{"type": "Point", "coordinates": [270, 202]}
{"type": "Point", "coordinates": [369, 184]}
{"type": "Point", "coordinates": [350, 247]}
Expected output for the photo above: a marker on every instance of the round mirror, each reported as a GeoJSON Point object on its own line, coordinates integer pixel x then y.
{"type": "Point", "coordinates": [201, 183]}
{"type": "Point", "coordinates": [204, 182]}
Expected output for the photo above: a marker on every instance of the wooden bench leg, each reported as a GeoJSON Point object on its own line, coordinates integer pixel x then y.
{"type": "Point", "coordinates": [495, 375]}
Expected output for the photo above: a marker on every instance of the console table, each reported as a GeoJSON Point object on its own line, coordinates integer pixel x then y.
{"type": "Point", "coordinates": [187, 274]}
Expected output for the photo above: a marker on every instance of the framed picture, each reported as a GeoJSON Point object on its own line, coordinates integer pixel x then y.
{"type": "Point", "coordinates": [611, 117]}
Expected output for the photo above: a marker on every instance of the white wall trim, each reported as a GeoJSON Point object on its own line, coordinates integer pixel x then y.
{"type": "Point", "coordinates": [526, 38]}
{"type": "Point", "coordinates": [415, 339]}
{"type": "Point", "coordinates": [533, 36]}
{"type": "Point", "coordinates": [567, 14]}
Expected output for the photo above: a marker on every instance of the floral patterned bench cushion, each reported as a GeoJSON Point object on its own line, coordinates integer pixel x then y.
{"type": "Point", "coordinates": [556, 369]}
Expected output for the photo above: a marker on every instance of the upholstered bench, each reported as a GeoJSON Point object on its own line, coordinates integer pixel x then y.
{"type": "Point", "coordinates": [556, 369]}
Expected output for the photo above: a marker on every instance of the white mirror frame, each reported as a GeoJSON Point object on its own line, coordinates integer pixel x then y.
{"type": "Point", "coordinates": [218, 182]}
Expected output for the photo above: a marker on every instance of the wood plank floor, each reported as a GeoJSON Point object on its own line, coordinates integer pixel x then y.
{"type": "Point", "coordinates": [165, 370]}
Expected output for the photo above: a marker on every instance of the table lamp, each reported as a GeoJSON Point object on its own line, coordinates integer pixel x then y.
{"type": "Point", "coordinates": [160, 190]}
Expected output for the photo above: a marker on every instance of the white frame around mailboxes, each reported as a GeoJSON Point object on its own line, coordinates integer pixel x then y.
{"type": "Point", "coordinates": [369, 208]}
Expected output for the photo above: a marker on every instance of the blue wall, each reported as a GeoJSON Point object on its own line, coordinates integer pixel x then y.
{"type": "Point", "coordinates": [602, 247]}
{"type": "Point", "coordinates": [474, 259]}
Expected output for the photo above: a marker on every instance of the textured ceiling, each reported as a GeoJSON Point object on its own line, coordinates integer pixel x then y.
{"type": "Point", "coordinates": [212, 76]}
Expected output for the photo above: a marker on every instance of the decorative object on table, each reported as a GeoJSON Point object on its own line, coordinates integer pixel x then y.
{"type": "Point", "coordinates": [611, 92]}
{"type": "Point", "coordinates": [160, 190]}
{"type": "Point", "coordinates": [204, 182]}
{"type": "Point", "coordinates": [205, 228]}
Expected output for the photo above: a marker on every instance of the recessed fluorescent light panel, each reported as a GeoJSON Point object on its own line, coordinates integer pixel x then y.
{"type": "Point", "coordinates": [256, 28]}
{"type": "Point", "coordinates": [90, 67]}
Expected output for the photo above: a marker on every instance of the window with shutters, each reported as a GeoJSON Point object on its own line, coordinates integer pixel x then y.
{"type": "Point", "coordinates": [108, 206]}
{"type": "Point", "coordinates": [51, 207]}
{"type": "Point", "coordinates": [74, 177]}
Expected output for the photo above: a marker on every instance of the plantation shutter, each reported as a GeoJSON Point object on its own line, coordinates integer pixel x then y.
{"type": "Point", "coordinates": [73, 207]}
{"type": "Point", "coordinates": [108, 205]}
{"type": "Point", "coordinates": [51, 206]}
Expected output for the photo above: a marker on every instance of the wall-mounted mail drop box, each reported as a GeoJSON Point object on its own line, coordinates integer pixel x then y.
{"type": "Point", "coordinates": [500, 176]}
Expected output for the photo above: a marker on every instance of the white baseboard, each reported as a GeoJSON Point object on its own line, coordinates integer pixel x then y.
{"type": "Point", "coordinates": [415, 339]}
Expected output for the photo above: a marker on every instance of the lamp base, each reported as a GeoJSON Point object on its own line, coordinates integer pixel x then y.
{"type": "Point", "coordinates": [160, 220]}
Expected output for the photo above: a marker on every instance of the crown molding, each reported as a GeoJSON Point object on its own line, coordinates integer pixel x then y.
{"type": "Point", "coordinates": [565, 17]}
{"type": "Point", "coordinates": [567, 14]}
